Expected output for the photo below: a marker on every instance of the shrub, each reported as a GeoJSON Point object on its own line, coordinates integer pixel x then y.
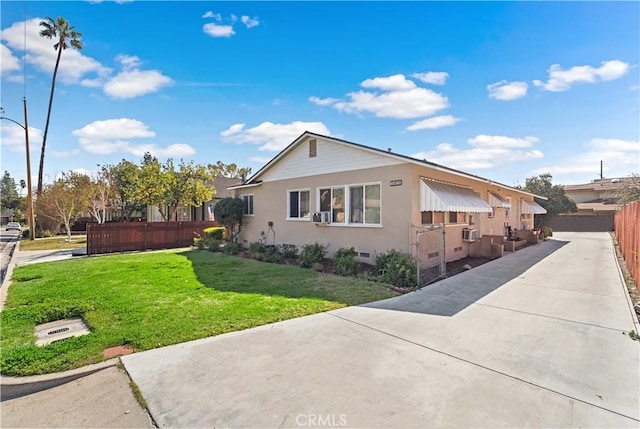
{"type": "Point", "coordinates": [25, 233]}
{"type": "Point", "coordinates": [346, 261]}
{"type": "Point", "coordinates": [200, 243]}
{"type": "Point", "coordinates": [289, 251]}
{"type": "Point", "coordinates": [231, 248]}
{"type": "Point", "coordinates": [312, 253]}
{"type": "Point", "coordinates": [547, 232]}
{"type": "Point", "coordinates": [228, 212]}
{"type": "Point", "coordinates": [257, 247]}
{"type": "Point", "coordinates": [397, 268]}
{"type": "Point", "coordinates": [214, 245]}
{"type": "Point", "coordinates": [214, 232]}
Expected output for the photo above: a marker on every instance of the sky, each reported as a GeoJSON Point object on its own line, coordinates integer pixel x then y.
{"type": "Point", "coordinates": [503, 90]}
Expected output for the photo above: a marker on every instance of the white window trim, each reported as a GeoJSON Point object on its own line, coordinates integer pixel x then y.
{"type": "Point", "coordinates": [298, 219]}
{"type": "Point", "coordinates": [347, 204]}
{"type": "Point", "coordinates": [252, 204]}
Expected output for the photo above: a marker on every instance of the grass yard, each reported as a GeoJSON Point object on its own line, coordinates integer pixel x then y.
{"type": "Point", "coordinates": [155, 299]}
{"type": "Point", "coordinates": [54, 243]}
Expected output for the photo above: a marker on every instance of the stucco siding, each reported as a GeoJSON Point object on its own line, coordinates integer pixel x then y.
{"type": "Point", "coordinates": [331, 157]}
{"type": "Point", "coordinates": [270, 205]}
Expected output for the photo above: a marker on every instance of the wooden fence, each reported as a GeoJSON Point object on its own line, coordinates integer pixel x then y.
{"type": "Point", "coordinates": [627, 229]}
{"type": "Point", "coordinates": [131, 236]}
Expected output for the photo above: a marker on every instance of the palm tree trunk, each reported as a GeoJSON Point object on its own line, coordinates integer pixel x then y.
{"type": "Point", "coordinates": [46, 126]}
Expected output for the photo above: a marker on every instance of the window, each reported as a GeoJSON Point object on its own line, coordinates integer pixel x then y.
{"type": "Point", "coordinates": [352, 204]}
{"type": "Point", "coordinates": [457, 217]}
{"type": "Point", "coordinates": [248, 205]}
{"type": "Point", "coordinates": [432, 218]}
{"type": "Point", "coordinates": [508, 214]}
{"type": "Point", "coordinates": [298, 204]}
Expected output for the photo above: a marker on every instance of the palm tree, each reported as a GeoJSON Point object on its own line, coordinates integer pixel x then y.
{"type": "Point", "coordinates": [62, 32]}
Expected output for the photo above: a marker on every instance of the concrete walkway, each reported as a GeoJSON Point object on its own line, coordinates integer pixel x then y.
{"type": "Point", "coordinates": [534, 339]}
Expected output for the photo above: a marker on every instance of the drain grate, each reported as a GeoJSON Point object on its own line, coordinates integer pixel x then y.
{"type": "Point", "coordinates": [59, 330]}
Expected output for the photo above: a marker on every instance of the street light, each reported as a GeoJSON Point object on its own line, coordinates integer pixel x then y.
{"type": "Point", "coordinates": [25, 127]}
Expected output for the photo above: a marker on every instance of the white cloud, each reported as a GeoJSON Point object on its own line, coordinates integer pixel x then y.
{"type": "Point", "coordinates": [620, 157]}
{"type": "Point", "coordinates": [272, 137]}
{"type": "Point", "coordinates": [216, 30]}
{"type": "Point", "coordinates": [486, 152]}
{"type": "Point", "coordinates": [323, 101]}
{"type": "Point", "coordinates": [249, 22]}
{"type": "Point", "coordinates": [433, 123]}
{"type": "Point", "coordinates": [504, 90]}
{"type": "Point", "coordinates": [13, 138]}
{"type": "Point", "coordinates": [562, 80]}
{"type": "Point", "coordinates": [8, 61]}
{"type": "Point", "coordinates": [65, 153]}
{"type": "Point", "coordinates": [134, 83]}
{"type": "Point", "coordinates": [210, 14]}
{"type": "Point", "coordinates": [41, 54]}
{"type": "Point", "coordinates": [129, 62]}
{"type": "Point", "coordinates": [414, 103]}
{"type": "Point", "coordinates": [434, 78]}
{"type": "Point", "coordinates": [259, 159]}
{"type": "Point", "coordinates": [397, 97]}
{"type": "Point", "coordinates": [113, 135]}
{"type": "Point", "coordinates": [397, 82]}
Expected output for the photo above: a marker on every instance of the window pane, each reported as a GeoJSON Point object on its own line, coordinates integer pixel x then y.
{"type": "Point", "coordinates": [356, 204]}
{"type": "Point", "coordinates": [372, 204]}
{"type": "Point", "coordinates": [453, 217]}
{"type": "Point", "coordinates": [293, 204]}
{"type": "Point", "coordinates": [427, 218]}
{"type": "Point", "coordinates": [304, 203]}
{"type": "Point", "coordinates": [325, 200]}
{"type": "Point", "coordinates": [337, 205]}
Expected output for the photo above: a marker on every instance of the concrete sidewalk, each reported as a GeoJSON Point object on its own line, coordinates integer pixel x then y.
{"type": "Point", "coordinates": [537, 338]}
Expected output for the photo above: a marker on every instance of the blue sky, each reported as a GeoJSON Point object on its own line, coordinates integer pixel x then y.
{"type": "Point", "coordinates": [503, 90]}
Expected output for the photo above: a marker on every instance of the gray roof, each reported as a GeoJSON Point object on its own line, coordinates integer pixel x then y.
{"type": "Point", "coordinates": [221, 184]}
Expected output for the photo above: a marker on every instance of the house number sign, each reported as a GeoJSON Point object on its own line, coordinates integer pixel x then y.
{"type": "Point", "coordinates": [395, 183]}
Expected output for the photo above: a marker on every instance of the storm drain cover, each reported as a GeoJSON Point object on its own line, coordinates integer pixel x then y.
{"type": "Point", "coordinates": [59, 330]}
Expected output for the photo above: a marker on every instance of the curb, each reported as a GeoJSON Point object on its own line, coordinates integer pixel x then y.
{"type": "Point", "coordinates": [8, 274]}
{"type": "Point", "coordinates": [15, 387]}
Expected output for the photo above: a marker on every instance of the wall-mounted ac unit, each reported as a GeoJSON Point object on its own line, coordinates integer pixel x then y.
{"type": "Point", "coordinates": [321, 217]}
{"type": "Point", "coordinates": [470, 234]}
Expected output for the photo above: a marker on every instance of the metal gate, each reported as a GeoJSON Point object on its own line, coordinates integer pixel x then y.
{"type": "Point", "coordinates": [428, 251]}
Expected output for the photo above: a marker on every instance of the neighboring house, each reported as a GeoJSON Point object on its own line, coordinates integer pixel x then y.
{"type": "Point", "coordinates": [342, 194]}
{"type": "Point", "coordinates": [204, 211]}
{"type": "Point", "coordinates": [597, 197]}
{"type": "Point", "coordinates": [7, 216]}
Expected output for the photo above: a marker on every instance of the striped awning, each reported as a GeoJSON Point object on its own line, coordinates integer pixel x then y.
{"type": "Point", "coordinates": [498, 201]}
{"type": "Point", "coordinates": [532, 207]}
{"type": "Point", "coordinates": [443, 197]}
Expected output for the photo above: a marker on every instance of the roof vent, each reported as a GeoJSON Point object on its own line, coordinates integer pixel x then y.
{"type": "Point", "coordinates": [313, 148]}
{"type": "Point", "coordinates": [389, 149]}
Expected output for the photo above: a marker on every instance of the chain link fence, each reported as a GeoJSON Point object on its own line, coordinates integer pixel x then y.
{"type": "Point", "coordinates": [428, 251]}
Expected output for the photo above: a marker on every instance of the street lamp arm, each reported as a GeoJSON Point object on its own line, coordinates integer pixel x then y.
{"type": "Point", "coordinates": [15, 122]}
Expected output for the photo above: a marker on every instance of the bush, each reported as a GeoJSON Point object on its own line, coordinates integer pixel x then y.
{"type": "Point", "coordinates": [25, 233]}
{"type": "Point", "coordinates": [397, 268]}
{"type": "Point", "coordinates": [547, 232]}
{"type": "Point", "coordinates": [346, 261]}
{"type": "Point", "coordinates": [289, 251]}
{"type": "Point", "coordinates": [214, 245]}
{"type": "Point", "coordinates": [200, 243]}
{"type": "Point", "coordinates": [257, 247]}
{"type": "Point", "coordinates": [214, 232]}
{"type": "Point", "coordinates": [312, 253]}
{"type": "Point", "coordinates": [231, 248]}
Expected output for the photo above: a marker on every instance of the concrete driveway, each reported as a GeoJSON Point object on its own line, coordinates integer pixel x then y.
{"type": "Point", "coordinates": [534, 339]}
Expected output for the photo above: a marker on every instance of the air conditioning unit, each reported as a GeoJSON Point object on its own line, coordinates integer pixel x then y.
{"type": "Point", "coordinates": [321, 217]}
{"type": "Point", "coordinates": [469, 235]}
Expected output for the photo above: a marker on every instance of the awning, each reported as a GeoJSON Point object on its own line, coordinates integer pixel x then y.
{"type": "Point", "coordinates": [532, 207]}
{"type": "Point", "coordinates": [442, 197]}
{"type": "Point", "coordinates": [498, 201]}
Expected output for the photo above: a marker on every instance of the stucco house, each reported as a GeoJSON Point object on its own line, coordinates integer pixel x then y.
{"type": "Point", "coordinates": [342, 194]}
{"type": "Point", "coordinates": [598, 197]}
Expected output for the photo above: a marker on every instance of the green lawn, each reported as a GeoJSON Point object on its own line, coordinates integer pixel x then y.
{"type": "Point", "coordinates": [155, 299]}
{"type": "Point", "coordinates": [54, 243]}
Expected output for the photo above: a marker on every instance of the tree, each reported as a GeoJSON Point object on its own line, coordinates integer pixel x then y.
{"type": "Point", "coordinates": [61, 202]}
{"type": "Point", "coordinates": [101, 196]}
{"type": "Point", "coordinates": [124, 180]}
{"type": "Point", "coordinates": [62, 32]}
{"type": "Point", "coordinates": [229, 170]}
{"type": "Point", "coordinates": [163, 186]}
{"type": "Point", "coordinates": [629, 190]}
{"type": "Point", "coordinates": [557, 200]}
{"type": "Point", "coordinates": [228, 212]}
{"type": "Point", "coordinates": [9, 193]}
